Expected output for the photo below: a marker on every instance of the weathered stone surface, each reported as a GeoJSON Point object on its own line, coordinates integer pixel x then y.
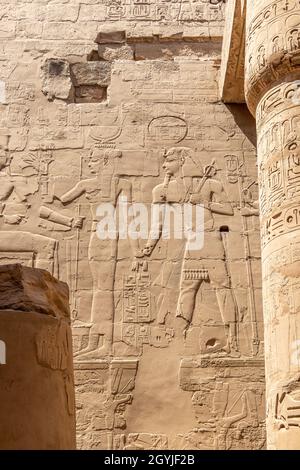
{"type": "Point", "coordinates": [232, 76]}
{"type": "Point", "coordinates": [111, 52]}
{"type": "Point", "coordinates": [166, 340]}
{"type": "Point", "coordinates": [272, 52]}
{"type": "Point", "coordinates": [33, 290]}
{"type": "Point", "coordinates": [37, 403]}
{"type": "Point", "coordinates": [111, 37]}
{"type": "Point", "coordinates": [91, 73]}
{"type": "Point", "coordinates": [57, 81]}
{"type": "Point", "coordinates": [271, 87]}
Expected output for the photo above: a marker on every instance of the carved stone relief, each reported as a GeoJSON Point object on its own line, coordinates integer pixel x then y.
{"type": "Point", "coordinates": [272, 85]}
{"type": "Point", "coordinates": [92, 124]}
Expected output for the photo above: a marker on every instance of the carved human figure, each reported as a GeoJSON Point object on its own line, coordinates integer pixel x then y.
{"type": "Point", "coordinates": [293, 159]}
{"type": "Point", "coordinates": [276, 44]}
{"type": "Point", "coordinates": [105, 187]}
{"type": "Point", "coordinates": [174, 191]}
{"type": "Point", "coordinates": [225, 423]}
{"type": "Point", "coordinates": [209, 263]}
{"type": "Point", "coordinates": [9, 185]}
{"type": "Point", "coordinates": [287, 408]}
{"type": "Point", "coordinates": [250, 205]}
{"type": "Point", "coordinates": [110, 408]}
{"type": "Point", "coordinates": [261, 58]}
{"type": "Point", "coordinates": [200, 265]}
{"type": "Point", "coordinates": [250, 65]}
{"type": "Point", "coordinates": [294, 40]}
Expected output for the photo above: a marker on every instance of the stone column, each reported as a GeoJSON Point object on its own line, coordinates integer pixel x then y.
{"type": "Point", "coordinates": [36, 367]}
{"type": "Point", "coordinates": [272, 87]}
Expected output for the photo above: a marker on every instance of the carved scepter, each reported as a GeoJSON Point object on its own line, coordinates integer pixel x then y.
{"type": "Point", "coordinates": [251, 296]}
{"type": "Point", "coordinates": [207, 174]}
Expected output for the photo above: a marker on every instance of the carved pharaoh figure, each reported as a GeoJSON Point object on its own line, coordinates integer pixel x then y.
{"type": "Point", "coordinates": [200, 265]}
{"type": "Point", "coordinates": [105, 187]}
{"type": "Point", "coordinates": [16, 186]}
{"type": "Point", "coordinates": [261, 58]}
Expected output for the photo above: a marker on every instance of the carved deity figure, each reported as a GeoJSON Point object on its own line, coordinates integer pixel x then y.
{"type": "Point", "coordinates": [287, 405]}
{"type": "Point", "coordinates": [16, 186]}
{"type": "Point", "coordinates": [276, 44]}
{"type": "Point", "coordinates": [206, 264]}
{"type": "Point", "coordinates": [294, 40]}
{"type": "Point", "coordinates": [261, 58]}
{"type": "Point", "coordinates": [105, 187]}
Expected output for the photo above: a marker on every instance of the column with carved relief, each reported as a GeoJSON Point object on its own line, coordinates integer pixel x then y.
{"type": "Point", "coordinates": [272, 87]}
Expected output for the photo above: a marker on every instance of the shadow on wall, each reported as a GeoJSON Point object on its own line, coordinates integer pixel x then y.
{"type": "Point", "coordinates": [244, 120]}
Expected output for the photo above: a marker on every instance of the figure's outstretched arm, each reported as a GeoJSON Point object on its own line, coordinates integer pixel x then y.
{"type": "Point", "coordinates": [124, 189]}
{"type": "Point", "coordinates": [53, 216]}
{"type": "Point", "coordinates": [124, 195]}
{"type": "Point", "coordinates": [74, 193]}
{"type": "Point", "coordinates": [70, 196]}
{"type": "Point", "coordinates": [219, 203]}
{"type": "Point", "coordinates": [157, 216]}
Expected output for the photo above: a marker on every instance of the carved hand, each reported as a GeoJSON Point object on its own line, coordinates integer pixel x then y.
{"type": "Point", "coordinates": [147, 251]}
{"type": "Point", "coordinates": [13, 219]}
{"type": "Point", "coordinates": [136, 263]}
{"type": "Point", "coordinates": [78, 223]}
{"type": "Point", "coordinates": [135, 266]}
{"type": "Point", "coordinates": [139, 254]}
{"type": "Point", "coordinates": [197, 198]}
{"type": "Point", "coordinates": [247, 212]}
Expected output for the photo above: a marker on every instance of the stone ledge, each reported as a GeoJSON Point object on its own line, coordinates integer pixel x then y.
{"type": "Point", "coordinates": [233, 53]}
{"type": "Point", "coordinates": [33, 290]}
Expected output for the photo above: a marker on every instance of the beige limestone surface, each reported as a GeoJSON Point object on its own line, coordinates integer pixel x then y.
{"type": "Point", "coordinates": [110, 99]}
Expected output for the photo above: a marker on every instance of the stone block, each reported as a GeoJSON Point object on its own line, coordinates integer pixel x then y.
{"type": "Point", "coordinates": [91, 73]}
{"type": "Point", "coordinates": [111, 37]}
{"type": "Point", "coordinates": [33, 290]}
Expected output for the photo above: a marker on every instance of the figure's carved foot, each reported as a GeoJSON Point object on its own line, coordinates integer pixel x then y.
{"type": "Point", "coordinates": [232, 349]}
{"type": "Point", "coordinates": [161, 317]}
{"type": "Point", "coordinates": [94, 351]}
{"type": "Point", "coordinates": [229, 350]}
{"type": "Point", "coordinates": [81, 324]}
{"type": "Point", "coordinates": [215, 354]}
{"type": "Point", "coordinates": [93, 355]}
{"type": "Point", "coordinates": [181, 324]}
{"type": "Point", "coordinates": [234, 353]}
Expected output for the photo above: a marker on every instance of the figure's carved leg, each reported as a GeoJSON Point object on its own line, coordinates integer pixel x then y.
{"type": "Point", "coordinates": [227, 308]}
{"type": "Point", "coordinates": [221, 282]}
{"type": "Point", "coordinates": [102, 313]}
{"type": "Point", "coordinates": [101, 333]}
{"type": "Point", "coordinates": [169, 282]}
{"type": "Point", "coordinates": [187, 300]}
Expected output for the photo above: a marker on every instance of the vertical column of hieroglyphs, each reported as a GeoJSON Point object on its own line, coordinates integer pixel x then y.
{"type": "Point", "coordinates": [272, 89]}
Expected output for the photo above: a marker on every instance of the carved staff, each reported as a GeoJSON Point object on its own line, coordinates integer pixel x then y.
{"type": "Point", "coordinates": [80, 220]}
{"type": "Point", "coordinates": [207, 174]}
{"type": "Point", "coordinates": [46, 157]}
{"type": "Point", "coordinates": [251, 296]}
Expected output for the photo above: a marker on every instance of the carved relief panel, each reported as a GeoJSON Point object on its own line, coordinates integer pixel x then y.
{"type": "Point", "coordinates": [157, 137]}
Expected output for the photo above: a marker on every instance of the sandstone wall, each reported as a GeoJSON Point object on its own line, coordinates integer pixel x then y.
{"type": "Point", "coordinates": [95, 95]}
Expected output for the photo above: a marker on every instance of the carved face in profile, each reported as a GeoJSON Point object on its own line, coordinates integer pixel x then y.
{"type": "Point", "coordinates": [100, 159]}
{"type": "Point", "coordinates": [173, 162]}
